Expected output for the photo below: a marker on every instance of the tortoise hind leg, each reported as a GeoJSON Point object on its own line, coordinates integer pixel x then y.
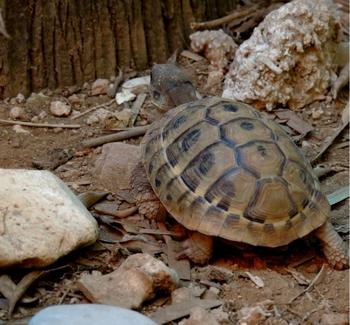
{"type": "Point", "coordinates": [146, 200]}
{"type": "Point", "coordinates": [334, 248]}
{"type": "Point", "coordinates": [197, 247]}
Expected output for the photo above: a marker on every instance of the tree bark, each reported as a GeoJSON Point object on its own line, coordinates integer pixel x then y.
{"type": "Point", "coordinates": [57, 43]}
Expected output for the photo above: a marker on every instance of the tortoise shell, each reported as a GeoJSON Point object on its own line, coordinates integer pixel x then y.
{"type": "Point", "coordinates": [221, 168]}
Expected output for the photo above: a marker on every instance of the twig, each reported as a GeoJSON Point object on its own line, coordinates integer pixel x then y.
{"type": "Point", "coordinates": [41, 125]}
{"type": "Point", "coordinates": [136, 106]}
{"type": "Point", "coordinates": [112, 91]}
{"type": "Point", "coordinates": [345, 122]}
{"type": "Point", "coordinates": [123, 135]}
{"type": "Point", "coordinates": [93, 108]}
{"type": "Point", "coordinates": [315, 280]}
{"type": "Point", "coordinates": [224, 20]}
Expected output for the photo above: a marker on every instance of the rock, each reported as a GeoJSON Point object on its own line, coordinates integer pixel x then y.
{"type": "Point", "coordinates": [181, 294]}
{"type": "Point", "coordinates": [218, 47]}
{"type": "Point", "coordinates": [214, 273]}
{"type": "Point", "coordinates": [53, 158]}
{"type": "Point", "coordinates": [99, 87]}
{"type": "Point", "coordinates": [98, 116]}
{"type": "Point", "coordinates": [75, 100]}
{"type": "Point", "coordinates": [317, 113]}
{"type": "Point", "coordinates": [124, 96]}
{"type": "Point", "coordinates": [199, 316]}
{"type": "Point", "coordinates": [254, 315]}
{"type": "Point", "coordinates": [114, 167]}
{"type": "Point", "coordinates": [220, 315]}
{"type": "Point", "coordinates": [137, 85]}
{"type": "Point", "coordinates": [211, 293]}
{"type": "Point", "coordinates": [334, 319]}
{"type": "Point", "coordinates": [119, 119]}
{"type": "Point", "coordinates": [42, 115]}
{"type": "Point", "coordinates": [139, 278]}
{"type": "Point", "coordinates": [44, 219]}
{"type": "Point", "coordinates": [17, 113]}
{"type": "Point", "coordinates": [20, 99]}
{"type": "Point", "coordinates": [288, 59]}
{"type": "Point", "coordinates": [35, 101]}
{"type": "Point", "coordinates": [20, 129]}
{"type": "Point", "coordinates": [89, 314]}
{"type": "Point", "coordinates": [58, 108]}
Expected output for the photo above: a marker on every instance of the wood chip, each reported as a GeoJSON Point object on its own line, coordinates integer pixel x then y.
{"type": "Point", "coordinates": [175, 311]}
{"type": "Point", "coordinates": [256, 280]}
{"type": "Point", "coordinates": [192, 56]}
{"type": "Point", "coordinates": [294, 121]}
{"type": "Point", "coordinates": [136, 106]}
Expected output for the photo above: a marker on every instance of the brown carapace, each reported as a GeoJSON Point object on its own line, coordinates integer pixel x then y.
{"type": "Point", "coordinates": [223, 169]}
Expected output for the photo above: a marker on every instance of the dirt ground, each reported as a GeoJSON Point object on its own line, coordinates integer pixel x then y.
{"type": "Point", "coordinates": [329, 295]}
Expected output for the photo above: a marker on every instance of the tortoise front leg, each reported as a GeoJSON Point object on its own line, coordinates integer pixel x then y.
{"type": "Point", "coordinates": [334, 248]}
{"type": "Point", "coordinates": [197, 247]}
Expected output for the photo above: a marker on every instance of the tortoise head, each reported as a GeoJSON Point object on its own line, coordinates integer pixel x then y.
{"type": "Point", "coordinates": [170, 86]}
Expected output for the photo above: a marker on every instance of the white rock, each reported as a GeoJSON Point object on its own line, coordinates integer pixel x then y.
{"type": "Point", "coordinates": [98, 116]}
{"type": "Point", "coordinates": [288, 59]}
{"type": "Point", "coordinates": [124, 96]}
{"type": "Point", "coordinates": [89, 314]}
{"type": "Point", "coordinates": [58, 108]}
{"type": "Point", "coordinates": [41, 219]}
{"type": "Point", "coordinates": [17, 113]}
{"type": "Point", "coordinates": [137, 85]}
{"type": "Point", "coordinates": [20, 98]}
{"type": "Point", "coordinates": [99, 87]}
{"type": "Point", "coordinates": [20, 129]}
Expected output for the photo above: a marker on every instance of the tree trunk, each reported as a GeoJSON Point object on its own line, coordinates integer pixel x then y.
{"type": "Point", "coordinates": [57, 43]}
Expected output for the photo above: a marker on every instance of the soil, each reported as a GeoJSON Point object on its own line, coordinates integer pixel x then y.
{"type": "Point", "coordinates": [19, 150]}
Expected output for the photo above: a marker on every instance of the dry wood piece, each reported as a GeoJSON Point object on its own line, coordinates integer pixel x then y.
{"type": "Point", "coordinates": [175, 311]}
{"type": "Point", "coordinates": [93, 109]}
{"type": "Point", "coordinates": [112, 91]}
{"type": "Point", "coordinates": [136, 106]}
{"type": "Point", "coordinates": [119, 213]}
{"type": "Point", "coordinates": [190, 55]}
{"type": "Point", "coordinates": [345, 122]}
{"type": "Point", "coordinates": [41, 125]}
{"type": "Point", "coordinates": [123, 135]}
{"type": "Point", "coordinates": [294, 121]}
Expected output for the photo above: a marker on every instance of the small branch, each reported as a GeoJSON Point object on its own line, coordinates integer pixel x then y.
{"type": "Point", "coordinates": [224, 20]}
{"type": "Point", "coordinates": [41, 125]}
{"type": "Point", "coordinates": [345, 122]}
{"type": "Point", "coordinates": [123, 135]}
{"type": "Point", "coordinates": [93, 108]}
{"type": "Point", "coordinates": [112, 91]}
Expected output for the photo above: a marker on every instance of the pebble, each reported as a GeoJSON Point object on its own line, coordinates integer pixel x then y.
{"type": "Point", "coordinates": [59, 109]}
{"type": "Point", "coordinates": [317, 113]}
{"type": "Point", "coordinates": [181, 294]}
{"type": "Point", "coordinates": [88, 314]}
{"type": "Point", "coordinates": [75, 100]}
{"type": "Point", "coordinates": [19, 99]}
{"type": "Point", "coordinates": [124, 96]}
{"type": "Point", "coordinates": [20, 129]}
{"type": "Point", "coordinates": [98, 116]}
{"type": "Point", "coordinates": [17, 113]}
{"type": "Point", "coordinates": [42, 115]}
{"type": "Point", "coordinates": [200, 316]}
{"type": "Point", "coordinates": [99, 87]}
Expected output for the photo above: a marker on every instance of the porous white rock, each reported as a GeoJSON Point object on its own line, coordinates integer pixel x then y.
{"type": "Point", "coordinates": [218, 47]}
{"type": "Point", "coordinates": [40, 219]}
{"type": "Point", "coordinates": [58, 108]}
{"type": "Point", "coordinates": [289, 57]}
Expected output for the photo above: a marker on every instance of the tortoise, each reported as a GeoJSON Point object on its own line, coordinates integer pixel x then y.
{"type": "Point", "coordinates": [223, 169]}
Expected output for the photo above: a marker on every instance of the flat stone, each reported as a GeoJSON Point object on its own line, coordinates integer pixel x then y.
{"type": "Point", "coordinates": [115, 165]}
{"type": "Point", "coordinates": [199, 316]}
{"type": "Point", "coordinates": [89, 314]}
{"type": "Point", "coordinates": [41, 220]}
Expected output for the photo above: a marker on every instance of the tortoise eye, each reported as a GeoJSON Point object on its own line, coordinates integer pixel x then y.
{"type": "Point", "coordinates": [156, 95]}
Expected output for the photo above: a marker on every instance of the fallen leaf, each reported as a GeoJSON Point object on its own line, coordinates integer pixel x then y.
{"type": "Point", "coordinates": [256, 279]}
{"type": "Point", "coordinates": [294, 121]}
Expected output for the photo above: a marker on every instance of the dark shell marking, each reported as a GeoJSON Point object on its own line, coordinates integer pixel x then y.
{"type": "Point", "coordinates": [223, 169]}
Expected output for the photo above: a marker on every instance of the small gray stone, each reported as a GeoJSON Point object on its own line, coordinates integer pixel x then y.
{"type": "Point", "coordinates": [99, 87]}
{"type": "Point", "coordinates": [17, 113]}
{"type": "Point", "coordinates": [89, 314]}
{"type": "Point", "coordinates": [58, 108]}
